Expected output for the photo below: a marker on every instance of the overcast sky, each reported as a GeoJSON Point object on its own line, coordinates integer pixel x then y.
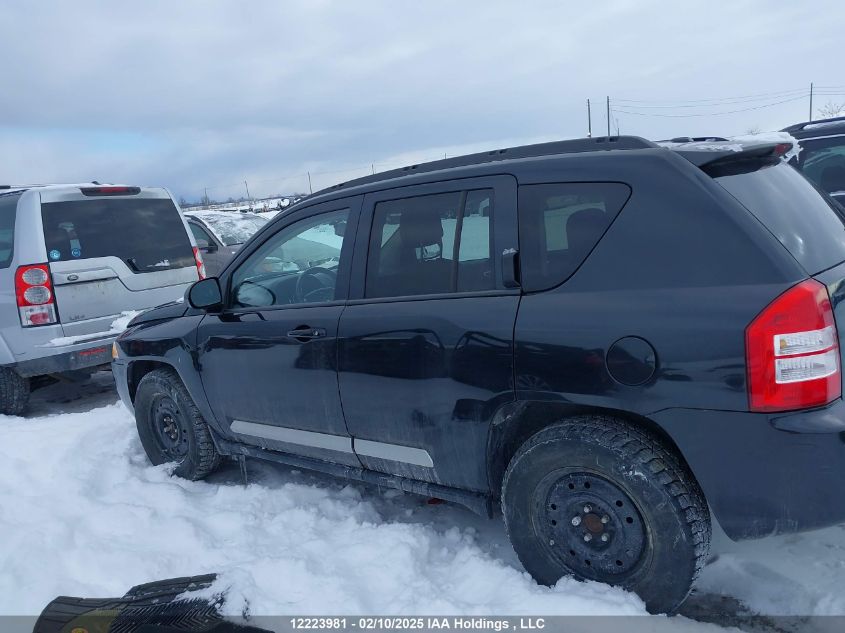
{"type": "Point", "coordinates": [208, 94]}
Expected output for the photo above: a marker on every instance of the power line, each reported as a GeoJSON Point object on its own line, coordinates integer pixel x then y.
{"type": "Point", "coordinates": [715, 100]}
{"type": "Point", "coordinates": [700, 114]}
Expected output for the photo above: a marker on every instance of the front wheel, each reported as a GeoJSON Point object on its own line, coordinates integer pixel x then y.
{"type": "Point", "coordinates": [599, 499]}
{"type": "Point", "coordinates": [171, 428]}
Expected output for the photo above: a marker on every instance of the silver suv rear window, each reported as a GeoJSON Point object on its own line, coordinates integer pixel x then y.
{"type": "Point", "coordinates": [146, 233]}
{"type": "Point", "coordinates": [8, 211]}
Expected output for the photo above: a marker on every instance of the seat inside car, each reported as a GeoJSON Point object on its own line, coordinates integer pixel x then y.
{"type": "Point", "coordinates": [422, 268]}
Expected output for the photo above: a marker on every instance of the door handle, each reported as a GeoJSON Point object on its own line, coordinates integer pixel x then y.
{"type": "Point", "coordinates": [510, 268]}
{"type": "Point", "coordinates": [306, 333]}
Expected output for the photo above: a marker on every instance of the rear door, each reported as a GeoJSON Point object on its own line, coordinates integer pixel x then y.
{"type": "Point", "coordinates": [426, 345]}
{"type": "Point", "coordinates": [114, 253]}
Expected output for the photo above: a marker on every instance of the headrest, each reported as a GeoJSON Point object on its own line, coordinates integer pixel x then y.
{"type": "Point", "coordinates": [419, 228]}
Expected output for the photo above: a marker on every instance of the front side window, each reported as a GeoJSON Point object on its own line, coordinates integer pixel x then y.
{"type": "Point", "coordinates": [560, 224]}
{"type": "Point", "coordinates": [8, 211]}
{"type": "Point", "coordinates": [200, 234]}
{"type": "Point", "coordinates": [298, 265]}
{"type": "Point", "coordinates": [433, 244]}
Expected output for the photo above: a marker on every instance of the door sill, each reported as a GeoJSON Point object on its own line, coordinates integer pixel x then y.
{"type": "Point", "coordinates": [478, 502]}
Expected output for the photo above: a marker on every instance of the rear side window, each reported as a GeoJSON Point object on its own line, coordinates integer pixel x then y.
{"type": "Point", "coordinates": [790, 207]}
{"type": "Point", "coordinates": [432, 244]}
{"type": "Point", "coordinates": [146, 233]}
{"type": "Point", "coordinates": [559, 224]}
{"type": "Point", "coordinates": [8, 211]}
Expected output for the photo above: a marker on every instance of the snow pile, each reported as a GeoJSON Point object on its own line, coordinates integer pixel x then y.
{"type": "Point", "coordinates": [772, 137]}
{"type": "Point", "coordinates": [85, 514]}
{"type": "Point", "coordinates": [117, 327]}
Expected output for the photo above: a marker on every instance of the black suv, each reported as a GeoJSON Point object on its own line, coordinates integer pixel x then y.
{"type": "Point", "coordinates": [822, 156]}
{"type": "Point", "coordinates": [609, 337]}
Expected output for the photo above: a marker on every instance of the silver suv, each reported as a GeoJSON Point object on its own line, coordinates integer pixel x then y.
{"type": "Point", "coordinates": [73, 260]}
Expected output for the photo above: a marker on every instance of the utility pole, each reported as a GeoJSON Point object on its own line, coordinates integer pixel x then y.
{"type": "Point", "coordinates": [310, 190]}
{"type": "Point", "coordinates": [207, 199]}
{"type": "Point", "coordinates": [373, 168]}
{"type": "Point", "coordinates": [608, 116]}
{"type": "Point", "coordinates": [811, 101]}
{"type": "Point", "coordinates": [589, 121]}
{"type": "Point", "coordinates": [247, 191]}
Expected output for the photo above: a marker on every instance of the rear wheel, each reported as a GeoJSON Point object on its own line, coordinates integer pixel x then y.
{"type": "Point", "coordinates": [14, 392]}
{"type": "Point", "coordinates": [599, 499]}
{"type": "Point", "coordinates": [171, 428]}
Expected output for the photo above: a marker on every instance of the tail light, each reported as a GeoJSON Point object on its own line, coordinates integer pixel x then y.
{"type": "Point", "coordinates": [200, 263]}
{"type": "Point", "coordinates": [792, 352]}
{"type": "Point", "coordinates": [110, 191]}
{"type": "Point", "coordinates": [34, 293]}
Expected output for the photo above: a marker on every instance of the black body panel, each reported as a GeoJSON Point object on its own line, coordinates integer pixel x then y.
{"type": "Point", "coordinates": [668, 291]}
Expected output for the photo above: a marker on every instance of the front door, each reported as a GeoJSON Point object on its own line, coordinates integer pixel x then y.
{"type": "Point", "coordinates": [426, 341]}
{"type": "Point", "coordinates": [268, 360]}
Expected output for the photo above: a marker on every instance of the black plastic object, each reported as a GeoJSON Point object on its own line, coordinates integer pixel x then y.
{"type": "Point", "coordinates": [156, 607]}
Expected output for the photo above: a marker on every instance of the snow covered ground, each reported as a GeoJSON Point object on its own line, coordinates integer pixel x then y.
{"type": "Point", "coordinates": [83, 513]}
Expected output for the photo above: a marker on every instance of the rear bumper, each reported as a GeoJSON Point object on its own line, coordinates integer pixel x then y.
{"type": "Point", "coordinates": [765, 474]}
{"type": "Point", "coordinates": [71, 358]}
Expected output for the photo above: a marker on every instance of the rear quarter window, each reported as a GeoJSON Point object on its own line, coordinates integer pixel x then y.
{"type": "Point", "coordinates": [793, 210]}
{"type": "Point", "coordinates": [145, 233]}
{"type": "Point", "coordinates": [8, 212]}
{"type": "Point", "coordinates": [560, 224]}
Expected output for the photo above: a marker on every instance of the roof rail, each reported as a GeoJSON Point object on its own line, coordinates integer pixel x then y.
{"type": "Point", "coordinates": [800, 126]}
{"type": "Point", "coordinates": [523, 151]}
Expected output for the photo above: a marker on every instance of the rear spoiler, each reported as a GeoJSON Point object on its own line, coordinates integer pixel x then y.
{"type": "Point", "coordinates": [714, 154]}
{"type": "Point", "coordinates": [800, 127]}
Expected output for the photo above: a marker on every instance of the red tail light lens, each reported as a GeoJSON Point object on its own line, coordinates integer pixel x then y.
{"type": "Point", "coordinates": [34, 294]}
{"type": "Point", "coordinates": [792, 352]}
{"type": "Point", "coordinates": [200, 263]}
{"type": "Point", "coordinates": [110, 191]}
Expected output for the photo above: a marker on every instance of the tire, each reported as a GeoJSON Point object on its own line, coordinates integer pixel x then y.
{"type": "Point", "coordinates": [598, 499]}
{"type": "Point", "coordinates": [171, 428]}
{"type": "Point", "coordinates": [14, 392]}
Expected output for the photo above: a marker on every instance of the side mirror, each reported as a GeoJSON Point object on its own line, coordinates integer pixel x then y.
{"type": "Point", "coordinates": [205, 247]}
{"type": "Point", "coordinates": [340, 228]}
{"type": "Point", "coordinates": [205, 294]}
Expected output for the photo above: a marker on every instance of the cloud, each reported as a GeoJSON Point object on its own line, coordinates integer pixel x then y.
{"type": "Point", "coordinates": [196, 94]}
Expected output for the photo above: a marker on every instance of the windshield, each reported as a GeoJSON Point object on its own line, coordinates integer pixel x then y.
{"type": "Point", "coordinates": [802, 218]}
{"type": "Point", "coordinates": [103, 227]}
{"type": "Point", "coordinates": [232, 228]}
{"type": "Point", "coordinates": [823, 161]}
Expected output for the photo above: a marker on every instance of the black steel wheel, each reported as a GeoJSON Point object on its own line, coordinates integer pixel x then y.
{"type": "Point", "coordinates": [599, 499]}
{"type": "Point", "coordinates": [171, 428]}
{"type": "Point", "coordinates": [591, 524]}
